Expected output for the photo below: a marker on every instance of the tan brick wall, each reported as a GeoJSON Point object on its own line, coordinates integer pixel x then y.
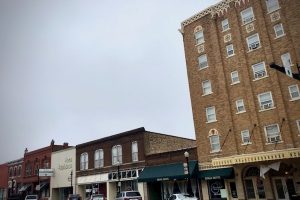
{"type": "Point", "coordinates": [224, 94]}
{"type": "Point", "coordinates": [159, 143]}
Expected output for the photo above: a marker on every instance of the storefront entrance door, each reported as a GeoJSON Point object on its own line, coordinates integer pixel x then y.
{"type": "Point", "coordinates": [284, 187]}
{"type": "Point", "coordinates": [254, 188]}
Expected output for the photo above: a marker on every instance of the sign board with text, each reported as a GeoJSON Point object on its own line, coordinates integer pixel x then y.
{"type": "Point", "coordinates": [46, 172]}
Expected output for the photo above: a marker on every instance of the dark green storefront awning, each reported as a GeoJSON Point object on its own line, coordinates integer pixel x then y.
{"type": "Point", "coordinates": [216, 173]}
{"type": "Point", "coordinates": [167, 172]}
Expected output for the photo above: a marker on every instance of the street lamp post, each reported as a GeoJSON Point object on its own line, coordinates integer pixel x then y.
{"type": "Point", "coordinates": [186, 155]}
{"type": "Point", "coordinates": [71, 181]}
{"type": "Point", "coordinates": [118, 176]}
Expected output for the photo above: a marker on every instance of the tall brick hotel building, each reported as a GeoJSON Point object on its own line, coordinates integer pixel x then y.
{"type": "Point", "coordinates": [242, 60]}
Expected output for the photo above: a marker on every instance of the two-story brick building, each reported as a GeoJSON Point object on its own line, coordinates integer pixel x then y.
{"type": "Point", "coordinates": [33, 162]}
{"type": "Point", "coordinates": [3, 181]}
{"type": "Point", "coordinates": [114, 163]}
{"type": "Point", "coordinates": [246, 114]}
{"type": "Point", "coordinates": [14, 178]}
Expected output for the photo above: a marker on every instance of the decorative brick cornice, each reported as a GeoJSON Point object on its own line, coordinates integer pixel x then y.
{"type": "Point", "coordinates": [217, 9]}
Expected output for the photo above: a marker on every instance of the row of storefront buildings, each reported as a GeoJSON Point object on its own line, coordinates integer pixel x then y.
{"type": "Point", "coordinates": [243, 67]}
{"type": "Point", "coordinates": [157, 165]}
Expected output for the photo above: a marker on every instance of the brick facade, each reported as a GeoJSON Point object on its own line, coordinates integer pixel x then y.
{"type": "Point", "coordinates": [270, 35]}
{"type": "Point", "coordinates": [229, 124]}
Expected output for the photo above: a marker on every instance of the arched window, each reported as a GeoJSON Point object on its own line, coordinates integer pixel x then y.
{"type": "Point", "coordinates": [134, 151]}
{"type": "Point", "coordinates": [214, 139]}
{"type": "Point", "coordinates": [15, 171]}
{"type": "Point", "coordinates": [10, 171]}
{"type": "Point", "coordinates": [99, 158]}
{"type": "Point", "coordinates": [20, 170]}
{"type": "Point", "coordinates": [116, 154]}
{"type": "Point", "coordinates": [199, 37]}
{"type": "Point", "coordinates": [84, 161]}
{"type": "Point", "coordinates": [28, 169]}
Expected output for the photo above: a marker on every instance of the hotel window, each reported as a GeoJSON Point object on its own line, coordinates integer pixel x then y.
{"type": "Point", "coordinates": [253, 42]}
{"type": "Point", "coordinates": [99, 161]}
{"type": "Point", "coordinates": [265, 101]}
{"type": "Point", "coordinates": [235, 77]}
{"type": "Point", "coordinates": [225, 24]}
{"type": "Point", "coordinates": [294, 92]}
{"type": "Point", "coordinates": [278, 29]}
{"type": "Point", "coordinates": [199, 37]}
{"type": "Point", "coordinates": [206, 87]}
{"type": "Point", "coordinates": [272, 133]}
{"type": "Point", "coordinates": [259, 70]}
{"type": "Point", "coordinates": [202, 60]}
{"type": "Point", "coordinates": [229, 50]}
{"type": "Point", "coordinates": [134, 151]}
{"type": "Point", "coordinates": [245, 137]}
{"type": "Point", "coordinates": [116, 154]}
{"type": "Point", "coordinates": [84, 161]}
{"type": "Point", "coordinates": [211, 114]}
{"type": "Point", "coordinates": [272, 5]}
{"type": "Point", "coordinates": [214, 140]}
{"type": "Point", "coordinates": [247, 15]}
{"type": "Point", "coordinates": [298, 125]}
{"type": "Point", "coordinates": [240, 107]}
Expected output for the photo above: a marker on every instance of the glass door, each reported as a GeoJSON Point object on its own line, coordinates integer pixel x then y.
{"type": "Point", "coordinates": [284, 188]}
{"type": "Point", "coordinates": [254, 188]}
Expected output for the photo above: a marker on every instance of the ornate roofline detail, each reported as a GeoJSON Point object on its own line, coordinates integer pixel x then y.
{"type": "Point", "coordinates": [217, 9]}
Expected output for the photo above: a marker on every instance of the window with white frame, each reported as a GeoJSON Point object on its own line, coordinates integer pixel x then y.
{"type": "Point", "coordinates": [211, 114]}
{"type": "Point", "coordinates": [272, 5]}
{"type": "Point", "coordinates": [235, 77]}
{"type": "Point", "coordinates": [240, 107]}
{"type": "Point", "coordinates": [298, 125]}
{"type": "Point", "coordinates": [247, 15]}
{"type": "Point", "coordinates": [245, 136]}
{"type": "Point", "coordinates": [229, 50]}
{"type": "Point", "coordinates": [272, 133]}
{"type": "Point", "coordinates": [214, 139]}
{"type": "Point", "coordinates": [259, 70]}
{"type": "Point", "coordinates": [84, 161]}
{"type": "Point", "coordinates": [116, 154]}
{"type": "Point", "coordinates": [99, 158]}
{"type": "Point", "coordinates": [202, 60]}
{"type": "Point", "coordinates": [278, 29]}
{"type": "Point", "coordinates": [134, 151]}
{"type": "Point", "coordinates": [225, 24]}
{"type": "Point", "coordinates": [265, 101]}
{"type": "Point", "coordinates": [294, 92]}
{"type": "Point", "coordinates": [206, 87]}
{"type": "Point", "coordinates": [199, 37]}
{"type": "Point", "coordinates": [253, 42]}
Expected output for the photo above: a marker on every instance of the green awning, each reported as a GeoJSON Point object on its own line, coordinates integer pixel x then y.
{"type": "Point", "coordinates": [167, 172]}
{"type": "Point", "coordinates": [216, 173]}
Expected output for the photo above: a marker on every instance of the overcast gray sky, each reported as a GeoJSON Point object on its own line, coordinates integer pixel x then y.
{"type": "Point", "coordinates": [79, 70]}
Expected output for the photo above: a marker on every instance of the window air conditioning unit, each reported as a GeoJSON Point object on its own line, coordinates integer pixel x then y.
{"type": "Point", "coordinates": [274, 139]}
{"type": "Point", "coordinates": [259, 74]}
{"type": "Point", "coordinates": [254, 46]}
{"type": "Point", "coordinates": [248, 19]}
{"type": "Point", "coordinates": [267, 106]}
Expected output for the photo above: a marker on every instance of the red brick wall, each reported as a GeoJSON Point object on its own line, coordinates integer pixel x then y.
{"type": "Point", "coordinates": [3, 176]}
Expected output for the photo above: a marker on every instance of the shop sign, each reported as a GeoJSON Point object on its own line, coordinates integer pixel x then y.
{"type": "Point", "coordinates": [66, 165]}
{"type": "Point", "coordinates": [215, 187]}
{"type": "Point", "coordinates": [162, 179]}
{"type": "Point", "coordinates": [46, 172]}
{"type": "Point", "coordinates": [257, 157]}
{"type": "Point", "coordinates": [212, 178]}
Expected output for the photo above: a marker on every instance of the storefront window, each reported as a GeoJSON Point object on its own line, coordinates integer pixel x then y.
{"type": "Point", "coordinates": [215, 187]}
